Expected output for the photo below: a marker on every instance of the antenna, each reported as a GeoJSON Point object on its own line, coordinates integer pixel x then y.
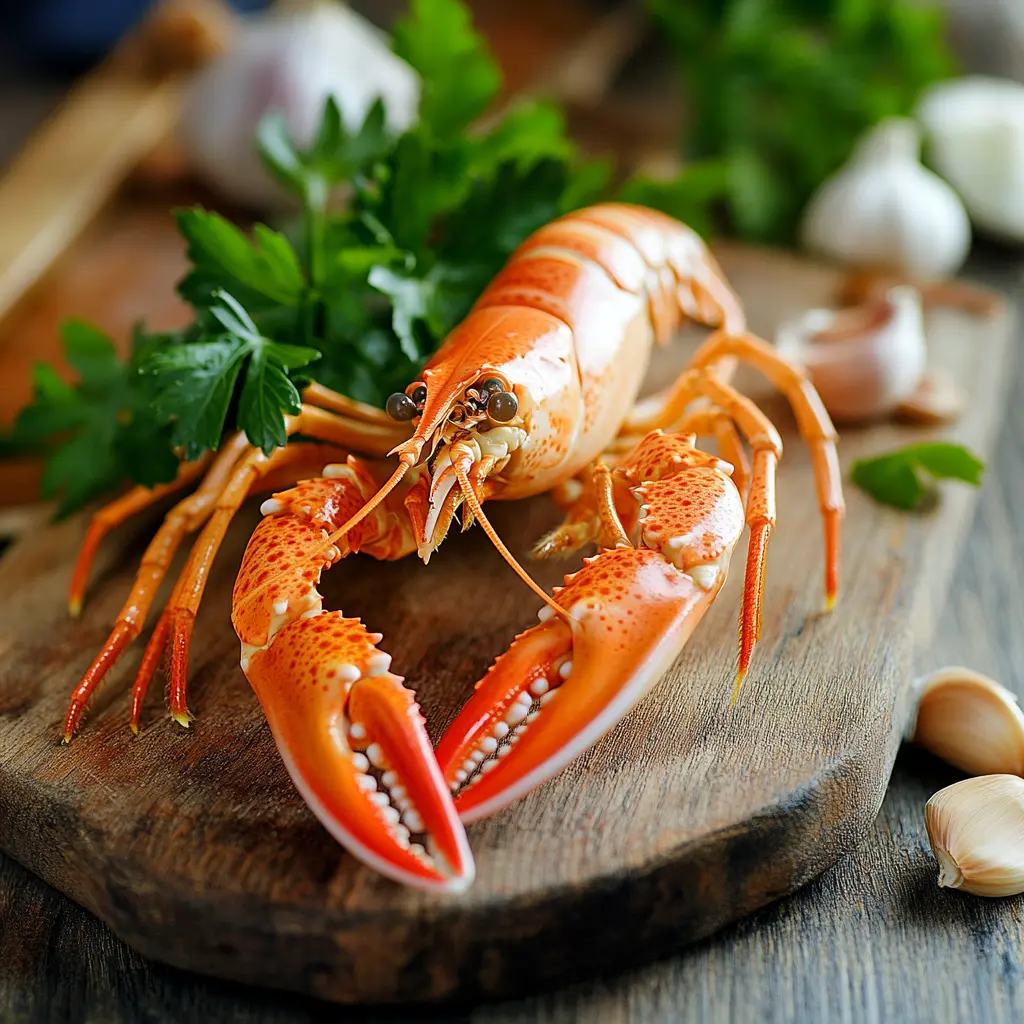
{"type": "Point", "coordinates": [473, 502]}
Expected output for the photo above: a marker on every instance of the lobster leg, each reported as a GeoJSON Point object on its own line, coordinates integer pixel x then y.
{"type": "Point", "coordinates": [349, 732]}
{"type": "Point", "coordinates": [564, 684]}
{"type": "Point", "coordinates": [192, 583]}
{"type": "Point", "coordinates": [236, 467]}
{"type": "Point", "coordinates": [580, 499]}
{"type": "Point", "coordinates": [186, 516]}
{"type": "Point", "coordinates": [122, 508]}
{"type": "Point", "coordinates": [813, 422]}
{"type": "Point", "coordinates": [174, 628]}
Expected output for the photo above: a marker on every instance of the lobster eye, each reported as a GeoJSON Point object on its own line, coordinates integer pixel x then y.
{"type": "Point", "coordinates": [419, 394]}
{"type": "Point", "coordinates": [492, 385]}
{"type": "Point", "coordinates": [502, 406]}
{"type": "Point", "coordinates": [401, 407]}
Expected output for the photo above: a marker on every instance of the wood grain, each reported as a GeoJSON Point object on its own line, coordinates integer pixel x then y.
{"type": "Point", "coordinates": [70, 167]}
{"type": "Point", "coordinates": [195, 848]}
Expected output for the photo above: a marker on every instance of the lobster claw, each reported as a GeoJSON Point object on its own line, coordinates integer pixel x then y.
{"type": "Point", "coordinates": [354, 743]}
{"type": "Point", "coordinates": [562, 685]}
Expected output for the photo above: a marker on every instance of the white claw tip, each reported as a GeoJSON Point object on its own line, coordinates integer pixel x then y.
{"type": "Point", "coordinates": [270, 506]}
{"type": "Point", "coordinates": [280, 607]}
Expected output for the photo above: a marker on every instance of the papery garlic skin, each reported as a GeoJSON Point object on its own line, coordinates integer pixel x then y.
{"type": "Point", "coordinates": [975, 133]}
{"type": "Point", "coordinates": [976, 831]}
{"type": "Point", "coordinates": [884, 210]}
{"type": "Point", "coordinates": [288, 62]}
{"type": "Point", "coordinates": [864, 362]}
{"type": "Point", "coordinates": [970, 721]}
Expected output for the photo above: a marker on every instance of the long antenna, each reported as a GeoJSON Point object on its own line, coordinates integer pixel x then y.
{"type": "Point", "coordinates": [408, 459]}
{"type": "Point", "coordinates": [471, 500]}
{"type": "Point", "coordinates": [392, 482]}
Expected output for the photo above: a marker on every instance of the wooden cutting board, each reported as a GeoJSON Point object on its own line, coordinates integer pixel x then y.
{"type": "Point", "coordinates": [195, 848]}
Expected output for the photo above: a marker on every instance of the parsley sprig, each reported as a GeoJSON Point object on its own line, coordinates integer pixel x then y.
{"type": "Point", "coordinates": [778, 91]}
{"type": "Point", "coordinates": [906, 478]}
{"type": "Point", "coordinates": [396, 238]}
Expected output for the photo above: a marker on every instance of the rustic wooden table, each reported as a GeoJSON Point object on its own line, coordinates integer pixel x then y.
{"type": "Point", "coordinates": [873, 940]}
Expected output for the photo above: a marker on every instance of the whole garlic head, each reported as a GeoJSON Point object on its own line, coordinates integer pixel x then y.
{"type": "Point", "coordinates": [886, 211]}
{"type": "Point", "coordinates": [976, 830]}
{"type": "Point", "coordinates": [865, 361]}
{"type": "Point", "coordinates": [975, 133]}
{"type": "Point", "coordinates": [970, 721]}
{"type": "Point", "coordinates": [290, 62]}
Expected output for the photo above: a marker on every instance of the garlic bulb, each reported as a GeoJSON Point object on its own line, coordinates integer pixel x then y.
{"type": "Point", "coordinates": [289, 62]}
{"type": "Point", "coordinates": [864, 361]}
{"type": "Point", "coordinates": [969, 721]}
{"type": "Point", "coordinates": [884, 210]}
{"type": "Point", "coordinates": [976, 830]}
{"type": "Point", "coordinates": [975, 132]}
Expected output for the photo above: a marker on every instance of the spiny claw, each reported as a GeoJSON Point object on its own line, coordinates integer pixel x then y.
{"type": "Point", "coordinates": [559, 688]}
{"type": "Point", "coordinates": [354, 743]}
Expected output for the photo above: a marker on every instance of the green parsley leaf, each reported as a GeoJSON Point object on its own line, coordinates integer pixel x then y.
{"type": "Point", "coordinates": [97, 432]}
{"type": "Point", "coordinates": [335, 155]}
{"type": "Point", "coordinates": [264, 267]}
{"type": "Point", "coordinates": [193, 385]}
{"type": "Point", "coordinates": [459, 76]}
{"type": "Point", "coordinates": [780, 91]}
{"type": "Point", "coordinates": [905, 478]}
{"type": "Point", "coordinates": [411, 300]}
{"type": "Point", "coordinates": [354, 293]}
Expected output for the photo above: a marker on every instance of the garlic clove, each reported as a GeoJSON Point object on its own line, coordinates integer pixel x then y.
{"type": "Point", "coordinates": [976, 831]}
{"type": "Point", "coordinates": [937, 400]}
{"type": "Point", "coordinates": [970, 721]}
{"type": "Point", "coordinates": [288, 62]}
{"type": "Point", "coordinates": [975, 130]}
{"type": "Point", "coordinates": [863, 362]}
{"type": "Point", "coordinates": [884, 210]}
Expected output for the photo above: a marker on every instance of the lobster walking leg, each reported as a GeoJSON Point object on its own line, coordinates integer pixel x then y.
{"type": "Point", "coordinates": [232, 471]}
{"type": "Point", "coordinates": [813, 422]}
{"type": "Point", "coordinates": [349, 732]}
{"type": "Point", "coordinates": [188, 515]}
{"type": "Point", "coordinates": [564, 684]}
{"type": "Point", "coordinates": [122, 508]}
{"type": "Point", "coordinates": [580, 499]}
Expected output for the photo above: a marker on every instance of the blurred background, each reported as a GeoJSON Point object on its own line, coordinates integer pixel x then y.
{"type": "Point", "coordinates": [729, 114]}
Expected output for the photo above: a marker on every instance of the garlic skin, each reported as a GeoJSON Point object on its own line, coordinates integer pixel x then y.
{"type": "Point", "coordinates": [970, 721]}
{"type": "Point", "coordinates": [975, 132]}
{"type": "Point", "coordinates": [864, 362]}
{"type": "Point", "coordinates": [976, 831]}
{"type": "Point", "coordinates": [884, 210]}
{"type": "Point", "coordinates": [289, 62]}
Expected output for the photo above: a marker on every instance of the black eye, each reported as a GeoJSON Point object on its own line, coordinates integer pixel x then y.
{"type": "Point", "coordinates": [493, 385]}
{"type": "Point", "coordinates": [502, 406]}
{"type": "Point", "coordinates": [401, 407]}
{"type": "Point", "coordinates": [419, 394]}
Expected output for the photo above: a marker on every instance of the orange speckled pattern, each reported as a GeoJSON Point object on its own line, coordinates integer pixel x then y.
{"type": "Point", "coordinates": [330, 502]}
{"type": "Point", "coordinates": [281, 563]}
{"type": "Point", "coordinates": [659, 455]}
{"type": "Point", "coordinates": [305, 685]}
{"type": "Point", "coordinates": [700, 507]}
{"type": "Point", "coordinates": [633, 613]}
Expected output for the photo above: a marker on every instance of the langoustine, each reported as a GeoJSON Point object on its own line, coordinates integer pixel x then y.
{"type": "Point", "coordinates": [536, 391]}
